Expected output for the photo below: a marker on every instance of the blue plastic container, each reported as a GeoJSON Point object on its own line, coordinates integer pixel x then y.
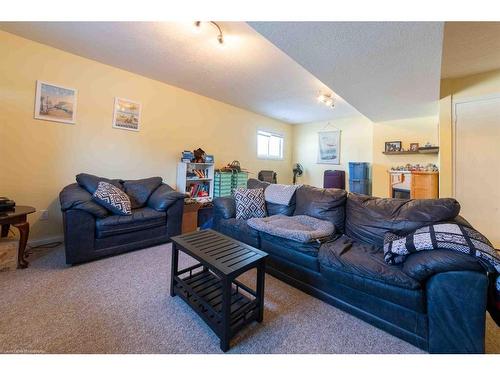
{"type": "Point", "coordinates": [360, 186]}
{"type": "Point", "coordinates": [359, 171]}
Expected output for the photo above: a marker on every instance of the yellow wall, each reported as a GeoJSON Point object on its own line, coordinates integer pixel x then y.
{"type": "Point", "coordinates": [413, 130]}
{"type": "Point", "coordinates": [452, 90]}
{"type": "Point", "coordinates": [362, 140]}
{"type": "Point", "coordinates": [355, 145]}
{"type": "Point", "coordinates": [38, 158]}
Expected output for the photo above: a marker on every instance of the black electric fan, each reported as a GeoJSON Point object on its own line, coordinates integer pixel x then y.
{"type": "Point", "coordinates": [297, 171]}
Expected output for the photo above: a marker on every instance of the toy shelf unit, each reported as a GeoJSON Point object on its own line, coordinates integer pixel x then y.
{"type": "Point", "coordinates": [196, 179]}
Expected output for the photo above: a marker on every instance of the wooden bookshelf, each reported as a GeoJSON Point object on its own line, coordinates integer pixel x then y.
{"type": "Point", "coordinates": [184, 182]}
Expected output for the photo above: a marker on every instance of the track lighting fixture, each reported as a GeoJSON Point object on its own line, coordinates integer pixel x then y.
{"type": "Point", "coordinates": [220, 35]}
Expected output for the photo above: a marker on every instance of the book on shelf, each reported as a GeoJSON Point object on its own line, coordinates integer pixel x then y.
{"type": "Point", "coordinates": [197, 190]}
{"type": "Point", "coordinates": [198, 173]}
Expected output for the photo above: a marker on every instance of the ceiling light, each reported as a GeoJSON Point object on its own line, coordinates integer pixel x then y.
{"type": "Point", "coordinates": [220, 35]}
{"type": "Point", "coordinates": [326, 99]}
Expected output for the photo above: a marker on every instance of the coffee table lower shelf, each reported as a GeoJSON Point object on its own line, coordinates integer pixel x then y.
{"type": "Point", "coordinates": [203, 291]}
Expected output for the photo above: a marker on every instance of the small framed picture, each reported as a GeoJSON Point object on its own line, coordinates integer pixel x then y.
{"type": "Point", "coordinates": [55, 103]}
{"type": "Point", "coordinates": [393, 146]}
{"type": "Point", "coordinates": [413, 146]}
{"type": "Point", "coordinates": [127, 114]}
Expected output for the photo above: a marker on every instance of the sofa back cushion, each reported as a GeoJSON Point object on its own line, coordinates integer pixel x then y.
{"type": "Point", "coordinates": [89, 182]}
{"type": "Point", "coordinates": [323, 204]}
{"type": "Point", "coordinates": [273, 208]}
{"type": "Point", "coordinates": [368, 219]}
{"type": "Point", "coordinates": [139, 191]}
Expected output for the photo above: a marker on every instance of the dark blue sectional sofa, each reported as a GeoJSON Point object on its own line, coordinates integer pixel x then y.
{"type": "Point", "coordinates": [436, 300]}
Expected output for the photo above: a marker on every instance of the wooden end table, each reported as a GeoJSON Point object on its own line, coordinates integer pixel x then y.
{"type": "Point", "coordinates": [18, 218]}
{"type": "Point", "coordinates": [210, 287]}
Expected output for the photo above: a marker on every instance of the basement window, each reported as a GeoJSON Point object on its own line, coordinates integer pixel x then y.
{"type": "Point", "coordinates": [269, 145]}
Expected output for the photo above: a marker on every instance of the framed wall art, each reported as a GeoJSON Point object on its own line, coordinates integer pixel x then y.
{"type": "Point", "coordinates": [329, 147]}
{"type": "Point", "coordinates": [55, 103]}
{"type": "Point", "coordinates": [127, 114]}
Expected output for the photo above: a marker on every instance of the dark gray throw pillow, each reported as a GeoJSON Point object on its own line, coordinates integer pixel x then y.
{"type": "Point", "coordinates": [249, 203]}
{"type": "Point", "coordinates": [89, 182]}
{"type": "Point", "coordinates": [139, 191]}
{"type": "Point", "coordinates": [112, 198]}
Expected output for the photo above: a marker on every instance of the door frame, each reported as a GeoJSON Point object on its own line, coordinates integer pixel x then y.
{"type": "Point", "coordinates": [455, 103]}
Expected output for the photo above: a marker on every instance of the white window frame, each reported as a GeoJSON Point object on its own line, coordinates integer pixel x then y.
{"type": "Point", "coordinates": [263, 132]}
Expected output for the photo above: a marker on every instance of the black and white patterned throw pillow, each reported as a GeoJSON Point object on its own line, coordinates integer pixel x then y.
{"type": "Point", "coordinates": [249, 203]}
{"type": "Point", "coordinates": [449, 236]}
{"type": "Point", "coordinates": [112, 198]}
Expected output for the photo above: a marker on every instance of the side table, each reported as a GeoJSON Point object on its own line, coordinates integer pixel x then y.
{"type": "Point", "coordinates": [18, 218]}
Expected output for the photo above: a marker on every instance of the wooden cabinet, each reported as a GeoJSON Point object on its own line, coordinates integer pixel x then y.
{"type": "Point", "coordinates": [424, 185]}
{"type": "Point", "coordinates": [418, 184]}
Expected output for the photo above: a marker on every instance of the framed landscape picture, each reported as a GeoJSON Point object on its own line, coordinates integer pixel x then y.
{"type": "Point", "coordinates": [55, 103]}
{"type": "Point", "coordinates": [126, 114]}
{"type": "Point", "coordinates": [329, 147]}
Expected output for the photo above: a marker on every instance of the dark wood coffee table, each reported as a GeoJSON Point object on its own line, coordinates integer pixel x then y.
{"type": "Point", "coordinates": [210, 287]}
{"type": "Point", "coordinates": [18, 218]}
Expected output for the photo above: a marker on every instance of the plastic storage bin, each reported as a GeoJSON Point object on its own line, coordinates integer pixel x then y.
{"type": "Point", "coordinates": [360, 186]}
{"type": "Point", "coordinates": [239, 179]}
{"type": "Point", "coordinates": [223, 184]}
{"type": "Point", "coordinates": [358, 171]}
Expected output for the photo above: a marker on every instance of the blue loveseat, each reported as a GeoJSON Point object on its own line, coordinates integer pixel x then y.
{"type": "Point", "coordinates": [436, 300]}
{"type": "Point", "coordinates": [92, 232]}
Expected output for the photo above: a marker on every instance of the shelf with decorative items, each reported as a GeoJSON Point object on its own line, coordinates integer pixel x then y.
{"type": "Point", "coordinates": [395, 148]}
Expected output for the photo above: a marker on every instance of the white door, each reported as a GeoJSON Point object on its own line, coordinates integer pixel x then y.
{"type": "Point", "coordinates": [477, 164]}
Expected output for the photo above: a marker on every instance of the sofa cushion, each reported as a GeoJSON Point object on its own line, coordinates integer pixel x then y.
{"type": "Point", "coordinates": [273, 208]}
{"type": "Point", "coordinates": [112, 198]}
{"type": "Point", "coordinates": [422, 265]}
{"type": "Point", "coordinates": [300, 228]}
{"type": "Point", "coordinates": [302, 254]}
{"type": "Point", "coordinates": [369, 218]}
{"type": "Point", "coordinates": [89, 182]}
{"type": "Point", "coordinates": [366, 294]}
{"type": "Point", "coordinates": [74, 197]}
{"type": "Point", "coordinates": [323, 204]}
{"type": "Point", "coordinates": [140, 219]}
{"type": "Point", "coordinates": [249, 203]}
{"type": "Point", "coordinates": [239, 230]}
{"type": "Point", "coordinates": [363, 260]}
{"type": "Point", "coordinates": [139, 191]}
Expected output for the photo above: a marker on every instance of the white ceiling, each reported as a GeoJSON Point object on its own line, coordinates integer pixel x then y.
{"type": "Point", "coordinates": [470, 48]}
{"type": "Point", "coordinates": [248, 71]}
{"type": "Point", "coordinates": [387, 70]}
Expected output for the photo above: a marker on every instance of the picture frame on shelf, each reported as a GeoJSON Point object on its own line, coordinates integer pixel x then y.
{"type": "Point", "coordinates": [393, 146]}
{"type": "Point", "coordinates": [55, 103]}
{"type": "Point", "coordinates": [414, 147]}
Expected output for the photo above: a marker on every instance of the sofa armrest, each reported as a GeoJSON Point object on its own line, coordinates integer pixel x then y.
{"type": "Point", "coordinates": [456, 308]}
{"type": "Point", "coordinates": [74, 197]}
{"type": "Point", "coordinates": [225, 207]}
{"type": "Point", "coordinates": [174, 218]}
{"type": "Point", "coordinates": [79, 235]}
{"type": "Point", "coordinates": [164, 197]}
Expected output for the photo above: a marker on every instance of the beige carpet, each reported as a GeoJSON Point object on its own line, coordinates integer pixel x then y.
{"type": "Point", "coordinates": [121, 304]}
